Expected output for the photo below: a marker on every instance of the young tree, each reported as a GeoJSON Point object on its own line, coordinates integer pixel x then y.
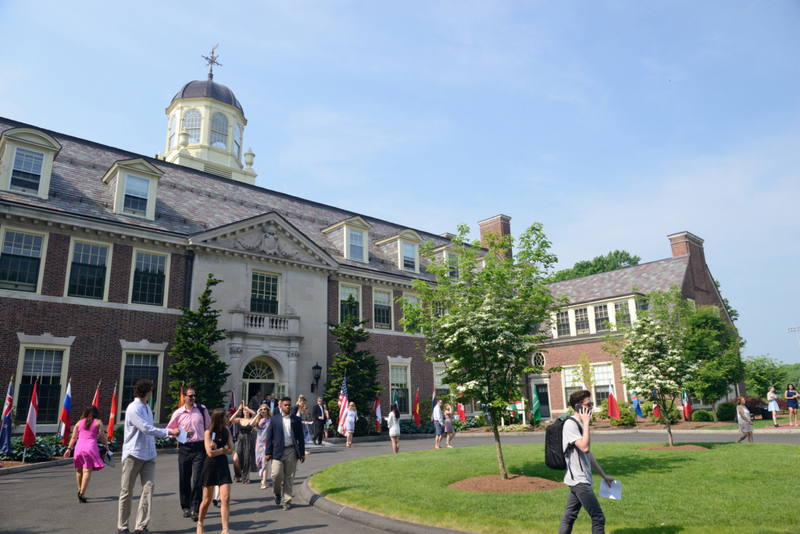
{"type": "Point", "coordinates": [584, 374]}
{"type": "Point", "coordinates": [612, 261]}
{"type": "Point", "coordinates": [485, 315]}
{"type": "Point", "coordinates": [733, 314]}
{"type": "Point", "coordinates": [761, 372]}
{"type": "Point", "coordinates": [196, 363]}
{"type": "Point", "coordinates": [652, 351]}
{"type": "Point", "coordinates": [360, 367]}
{"type": "Point", "coordinates": [714, 344]}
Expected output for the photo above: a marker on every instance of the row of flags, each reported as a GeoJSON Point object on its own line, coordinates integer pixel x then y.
{"type": "Point", "coordinates": [613, 408]}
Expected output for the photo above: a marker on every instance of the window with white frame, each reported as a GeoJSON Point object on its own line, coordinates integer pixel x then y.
{"type": "Point", "coordinates": [538, 360]}
{"type": "Point", "coordinates": [46, 364]}
{"type": "Point", "coordinates": [172, 135]}
{"type": "Point", "coordinates": [191, 123]}
{"type": "Point", "coordinates": [237, 141]}
{"type": "Point", "coordinates": [442, 390]}
{"type": "Point", "coordinates": [409, 256]}
{"type": "Point", "coordinates": [355, 244]}
{"type": "Point", "coordinates": [582, 321]}
{"type": "Point", "coordinates": [137, 192]}
{"type": "Point", "coordinates": [382, 316]}
{"type": "Point", "coordinates": [603, 380]}
{"type": "Point", "coordinates": [149, 279]}
{"type": "Point", "coordinates": [219, 130]}
{"type": "Point", "coordinates": [601, 318]}
{"type": "Point", "coordinates": [398, 377]}
{"type": "Point", "coordinates": [20, 261]}
{"type": "Point", "coordinates": [562, 323]}
{"type": "Point", "coordinates": [87, 277]}
{"type": "Point", "coordinates": [348, 308]}
{"type": "Point", "coordinates": [264, 293]}
{"type": "Point", "coordinates": [622, 313]}
{"type": "Point", "coordinates": [27, 171]}
{"type": "Point", "coordinates": [452, 266]}
{"type": "Point", "coordinates": [571, 383]}
{"type": "Point", "coordinates": [137, 366]}
{"type": "Point", "coordinates": [414, 301]}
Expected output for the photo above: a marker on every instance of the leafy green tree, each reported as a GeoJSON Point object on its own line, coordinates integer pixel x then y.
{"type": "Point", "coordinates": [761, 372]}
{"type": "Point", "coordinates": [484, 319]}
{"type": "Point", "coordinates": [792, 374]}
{"type": "Point", "coordinates": [734, 315]}
{"type": "Point", "coordinates": [196, 364]}
{"type": "Point", "coordinates": [714, 344]}
{"type": "Point", "coordinates": [612, 261]}
{"type": "Point", "coordinates": [360, 367]}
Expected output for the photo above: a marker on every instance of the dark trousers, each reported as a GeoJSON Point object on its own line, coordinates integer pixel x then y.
{"type": "Point", "coordinates": [582, 495]}
{"type": "Point", "coordinates": [190, 465]}
{"type": "Point", "coordinates": [319, 433]}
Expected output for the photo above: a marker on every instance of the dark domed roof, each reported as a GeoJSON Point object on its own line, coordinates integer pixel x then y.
{"type": "Point", "coordinates": [209, 89]}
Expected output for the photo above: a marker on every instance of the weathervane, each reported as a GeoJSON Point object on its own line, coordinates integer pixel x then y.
{"type": "Point", "coordinates": [212, 60]}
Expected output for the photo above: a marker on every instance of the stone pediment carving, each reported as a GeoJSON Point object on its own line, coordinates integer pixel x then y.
{"type": "Point", "coordinates": [265, 241]}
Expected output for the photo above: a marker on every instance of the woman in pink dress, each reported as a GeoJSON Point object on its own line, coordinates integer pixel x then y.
{"type": "Point", "coordinates": [87, 455]}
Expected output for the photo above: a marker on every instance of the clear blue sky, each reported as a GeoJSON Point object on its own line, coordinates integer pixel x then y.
{"type": "Point", "coordinates": [612, 123]}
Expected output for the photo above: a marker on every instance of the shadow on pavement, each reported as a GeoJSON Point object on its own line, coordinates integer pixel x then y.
{"type": "Point", "coordinates": [649, 530]}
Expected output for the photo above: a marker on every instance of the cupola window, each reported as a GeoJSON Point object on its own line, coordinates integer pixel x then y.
{"type": "Point", "coordinates": [27, 171]}
{"type": "Point", "coordinates": [219, 130]}
{"type": "Point", "coordinates": [191, 123]}
{"type": "Point", "coordinates": [172, 132]}
{"type": "Point", "coordinates": [237, 141]}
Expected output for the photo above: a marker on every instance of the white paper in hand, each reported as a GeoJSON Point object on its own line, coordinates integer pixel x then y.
{"type": "Point", "coordinates": [182, 436]}
{"type": "Point", "coordinates": [614, 491]}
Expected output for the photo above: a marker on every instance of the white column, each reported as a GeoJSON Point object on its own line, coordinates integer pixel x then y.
{"type": "Point", "coordinates": [294, 355]}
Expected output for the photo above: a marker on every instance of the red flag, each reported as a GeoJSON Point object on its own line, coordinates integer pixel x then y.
{"type": "Point", "coordinates": [181, 401]}
{"type": "Point", "coordinates": [656, 411]}
{"type": "Point", "coordinates": [462, 415]}
{"type": "Point", "coordinates": [112, 420]}
{"type": "Point", "coordinates": [613, 409]}
{"type": "Point", "coordinates": [29, 437]}
{"type": "Point", "coordinates": [378, 410]}
{"type": "Point", "coordinates": [687, 406]}
{"type": "Point", "coordinates": [96, 400]}
{"type": "Point", "coordinates": [416, 409]}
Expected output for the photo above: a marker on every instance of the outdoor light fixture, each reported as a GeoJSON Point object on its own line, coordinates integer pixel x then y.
{"type": "Point", "coordinates": [317, 371]}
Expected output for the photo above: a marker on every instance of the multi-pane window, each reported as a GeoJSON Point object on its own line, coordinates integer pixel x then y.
{"type": "Point", "coordinates": [622, 313]}
{"type": "Point", "coordinates": [382, 301]}
{"type": "Point", "coordinates": [87, 278]}
{"type": "Point", "coordinates": [20, 261]}
{"type": "Point", "coordinates": [582, 321]}
{"type": "Point", "coordinates": [562, 321]}
{"type": "Point", "coordinates": [601, 318]}
{"type": "Point", "coordinates": [641, 303]}
{"type": "Point", "coordinates": [348, 308]}
{"type": "Point", "coordinates": [409, 257]}
{"type": "Point", "coordinates": [264, 293]}
{"type": "Point", "coordinates": [149, 279]}
{"type": "Point", "coordinates": [356, 243]}
{"type": "Point", "coordinates": [442, 390]}
{"type": "Point", "coordinates": [603, 378]}
{"type": "Point", "coordinates": [219, 130]}
{"type": "Point", "coordinates": [138, 367]}
{"type": "Point", "coordinates": [452, 266]}
{"type": "Point", "coordinates": [137, 190]}
{"type": "Point", "coordinates": [571, 383]}
{"type": "Point", "coordinates": [237, 141]}
{"type": "Point", "coordinates": [46, 365]}
{"type": "Point", "coordinates": [414, 301]}
{"type": "Point", "coordinates": [398, 376]}
{"type": "Point", "coordinates": [191, 123]}
{"type": "Point", "coordinates": [27, 171]}
{"type": "Point", "coordinates": [172, 131]}
{"type": "Point", "coordinates": [538, 360]}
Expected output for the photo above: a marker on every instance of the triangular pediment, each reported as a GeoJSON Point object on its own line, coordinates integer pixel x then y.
{"type": "Point", "coordinates": [135, 166]}
{"type": "Point", "coordinates": [355, 222]}
{"type": "Point", "coordinates": [267, 236]}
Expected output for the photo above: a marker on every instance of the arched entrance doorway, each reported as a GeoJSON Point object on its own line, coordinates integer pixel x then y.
{"type": "Point", "coordinates": [262, 374]}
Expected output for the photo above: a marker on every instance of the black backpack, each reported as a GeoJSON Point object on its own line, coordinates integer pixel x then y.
{"type": "Point", "coordinates": [554, 455]}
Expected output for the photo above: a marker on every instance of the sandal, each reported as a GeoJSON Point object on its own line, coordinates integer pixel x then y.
{"type": "Point", "coordinates": [263, 486]}
{"type": "Point", "coordinates": [200, 528]}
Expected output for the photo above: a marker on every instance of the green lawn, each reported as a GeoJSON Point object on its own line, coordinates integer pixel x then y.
{"type": "Point", "coordinates": [761, 423]}
{"type": "Point", "coordinates": [729, 489]}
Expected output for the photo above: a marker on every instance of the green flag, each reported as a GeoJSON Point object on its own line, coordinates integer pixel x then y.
{"type": "Point", "coordinates": [537, 414]}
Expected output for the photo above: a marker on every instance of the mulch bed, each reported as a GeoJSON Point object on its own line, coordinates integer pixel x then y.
{"type": "Point", "coordinates": [12, 463]}
{"type": "Point", "coordinates": [675, 448]}
{"type": "Point", "coordinates": [514, 484]}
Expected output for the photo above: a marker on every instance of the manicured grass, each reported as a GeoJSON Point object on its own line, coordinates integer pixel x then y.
{"type": "Point", "coordinates": [761, 423]}
{"type": "Point", "coordinates": [728, 489]}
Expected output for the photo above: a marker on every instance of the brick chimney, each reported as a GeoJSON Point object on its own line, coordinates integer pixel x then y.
{"type": "Point", "coordinates": [684, 243]}
{"type": "Point", "coordinates": [499, 224]}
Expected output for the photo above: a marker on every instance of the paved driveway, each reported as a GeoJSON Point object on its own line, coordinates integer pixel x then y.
{"type": "Point", "coordinates": [45, 500]}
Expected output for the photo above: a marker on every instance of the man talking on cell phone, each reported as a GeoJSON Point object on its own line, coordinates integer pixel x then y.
{"type": "Point", "coordinates": [576, 444]}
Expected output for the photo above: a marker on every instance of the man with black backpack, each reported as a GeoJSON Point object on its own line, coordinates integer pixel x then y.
{"type": "Point", "coordinates": [577, 459]}
{"type": "Point", "coordinates": [191, 455]}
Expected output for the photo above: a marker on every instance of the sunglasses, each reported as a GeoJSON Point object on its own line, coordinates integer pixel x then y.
{"type": "Point", "coordinates": [190, 396]}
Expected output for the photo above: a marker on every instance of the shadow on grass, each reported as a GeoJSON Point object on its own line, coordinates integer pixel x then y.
{"type": "Point", "coordinates": [615, 466]}
{"type": "Point", "coordinates": [648, 530]}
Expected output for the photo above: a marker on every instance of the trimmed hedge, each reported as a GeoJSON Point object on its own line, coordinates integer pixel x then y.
{"type": "Point", "coordinates": [702, 416]}
{"type": "Point", "coordinates": [726, 411]}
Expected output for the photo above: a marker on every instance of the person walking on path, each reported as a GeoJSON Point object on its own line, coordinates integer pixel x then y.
{"type": "Point", "coordinates": [744, 420]}
{"type": "Point", "coordinates": [139, 457]}
{"type": "Point", "coordinates": [285, 447]}
{"type": "Point", "coordinates": [438, 422]}
{"type": "Point", "coordinates": [394, 427]}
{"type": "Point", "coordinates": [217, 445]}
{"type": "Point", "coordinates": [349, 423]}
{"type": "Point", "coordinates": [773, 405]}
{"type": "Point", "coordinates": [262, 423]}
{"type": "Point", "coordinates": [449, 428]}
{"type": "Point", "coordinates": [244, 457]}
{"type": "Point", "coordinates": [191, 454]}
{"type": "Point", "coordinates": [87, 455]}
{"type": "Point", "coordinates": [576, 444]}
{"type": "Point", "coordinates": [301, 411]}
{"type": "Point", "coordinates": [318, 417]}
{"type": "Point", "coordinates": [791, 403]}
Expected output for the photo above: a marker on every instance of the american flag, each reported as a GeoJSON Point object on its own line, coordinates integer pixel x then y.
{"type": "Point", "coordinates": [342, 401]}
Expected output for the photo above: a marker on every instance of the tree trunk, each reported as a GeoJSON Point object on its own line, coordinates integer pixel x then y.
{"type": "Point", "coordinates": [499, 448]}
{"type": "Point", "coordinates": [665, 416]}
{"type": "Point", "coordinates": [714, 411]}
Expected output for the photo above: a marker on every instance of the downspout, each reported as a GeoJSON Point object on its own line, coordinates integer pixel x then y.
{"type": "Point", "coordinates": [187, 288]}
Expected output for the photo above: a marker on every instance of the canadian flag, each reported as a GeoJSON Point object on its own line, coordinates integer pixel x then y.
{"type": "Point", "coordinates": [29, 437]}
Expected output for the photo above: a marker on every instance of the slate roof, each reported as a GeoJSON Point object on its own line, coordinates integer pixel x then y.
{"type": "Point", "coordinates": [191, 201]}
{"type": "Point", "coordinates": [654, 276]}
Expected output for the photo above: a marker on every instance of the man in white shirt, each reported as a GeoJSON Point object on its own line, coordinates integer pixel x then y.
{"type": "Point", "coordinates": [192, 454]}
{"type": "Point", "coordinates": [438, 422]}
{"type": "Point", "coordinates": [576, 444]}
{"type": "Point", "coordinates": [138, 457]}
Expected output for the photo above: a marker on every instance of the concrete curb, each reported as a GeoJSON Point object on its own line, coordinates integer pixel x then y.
{"type": "Point", "coordinates": [375, 521]}
{"type": "Point", "coordinates": [55, 463]}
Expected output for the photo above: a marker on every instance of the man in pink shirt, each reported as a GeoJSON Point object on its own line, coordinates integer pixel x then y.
{"type": "Point", "coordinates": [192, 454]}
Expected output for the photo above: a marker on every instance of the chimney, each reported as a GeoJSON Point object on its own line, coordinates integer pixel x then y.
{"type": "Point", "coordinates": [684, 243]}
{"type": "Point", "coordinates": [499, 224]}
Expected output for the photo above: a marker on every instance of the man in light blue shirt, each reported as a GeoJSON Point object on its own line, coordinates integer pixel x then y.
{"type": "Point", "coordinates": [139, 457]}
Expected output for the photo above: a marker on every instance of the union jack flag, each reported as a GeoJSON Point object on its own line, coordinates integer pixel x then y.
{"type": "Point", "coordinates": [5, 431]}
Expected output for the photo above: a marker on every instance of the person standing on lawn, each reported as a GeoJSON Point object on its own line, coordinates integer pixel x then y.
{"type": "Point", "coordinates": [791, 403]}
{"type": "Point", "coordinates": [449, 428]}
{"type": "Point", "coordinates": [285, 446]}
{"type": "Point", "coordinates": [773, 405]}
{"type": "Point", "coordinates": [87, 455]}
{"type": "Point", "coordinates": [744, 420]}
{"type": "Point", "coordinates": [576, 443]}
{"type": "Point", "coordinates": [438, 422]}
{"type": "Point", "coordinates": [191, 454]}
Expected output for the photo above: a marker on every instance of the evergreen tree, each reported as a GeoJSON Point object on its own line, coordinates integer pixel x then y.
{"type": "Point", "coordinates": [360, 367]}
{"type": "Point", "coordinates": [197, 365]}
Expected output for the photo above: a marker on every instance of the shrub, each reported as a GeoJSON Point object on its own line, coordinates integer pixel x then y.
{"type": "Point", "coordinates": [408, 426]}
{"type": "Point", "coordinates": [514, 428]}
{"type": "Point", "coordinates": [754, 404]}
{"type": "Point", "coordinates": [702, 416]}
{"type": "Point", "coordinates": [674, 414]}
{"type": "Point", "coordinates": [429, 428]}
{"type": "Point", "coordinates": [726, 411]}
{"type": "Point", "coordinates": [477, 421]}
{"type": "Point", "coordinates": [40, 451]}
{"type": "Point", "coordinates": [165, 443]}
{"type": "Point", "coordinates": [627, 416]}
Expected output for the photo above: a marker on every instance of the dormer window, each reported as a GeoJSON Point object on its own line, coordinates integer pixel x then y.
{"type": "Point", "coordinates": [191, 123]}
{"type": "Point", "coordinates": [219, 130]}
{"type": "Point", "coordinates": [135, 184]}
{"type": "Point", "coordinates": [27, 172]}
{"type": "Point", "coordinates": [355, 244]}
{"type": "Point", "coordinates": [136, 194]}
{"type": "Point", "coordinates": [405, 247]}
{"type": "Point", "coordinates": [409, 257]}
{"type": "Point", "coordinates": [27, 156]}
{"type": "Point", "coordinates": [353, 236]}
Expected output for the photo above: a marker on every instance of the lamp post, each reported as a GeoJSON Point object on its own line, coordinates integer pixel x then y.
{"type": "Point", "coordinates": [795, 329]}
{"type": "Point", "coordinates": [317, 372]}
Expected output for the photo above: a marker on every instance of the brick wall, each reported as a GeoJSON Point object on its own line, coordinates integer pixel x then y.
{"type": "Point", "coordinates": [55, 268]}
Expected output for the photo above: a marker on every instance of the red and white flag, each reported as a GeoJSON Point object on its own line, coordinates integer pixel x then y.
{"type": "Point", "coordinates": [66, 415]}
{"type": "Point", "coordinates": [112, 420]}
{"type": "Point", "coordinates": [378, 410]}
{"type": "Point", "coordinates": [29, 437]}
{"type": "Point", "coordinates": [96, 400]}
{"type": "Point", "coordinates": [462, 415]}
{"type": "Point", "coordinates": [613, 408]}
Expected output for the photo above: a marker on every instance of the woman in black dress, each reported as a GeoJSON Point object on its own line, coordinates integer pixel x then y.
{"type": "Point", "coordinates": [244, 457]}
{"type": "Point", "coordinates": [216, 472]}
